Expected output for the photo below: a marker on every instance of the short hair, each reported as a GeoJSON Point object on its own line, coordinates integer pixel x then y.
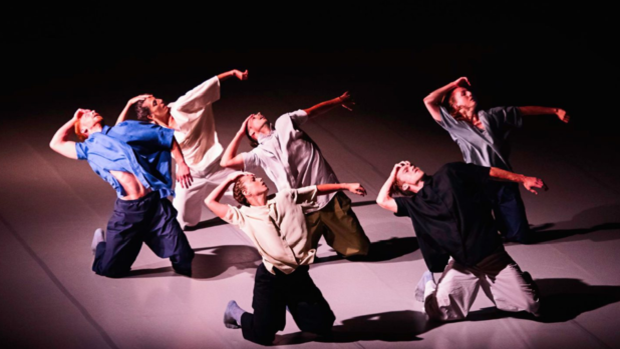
{"type": "Point", "coordinates": [396, 189]}
{"type": "Point", "coordinates": [238, 192]}
{"type": "Point", "coordinates": [253, 142]}
{"type": "Point", "coordinates": [78, 131]}
{"type": "Point", "coordinates": [141, 111]}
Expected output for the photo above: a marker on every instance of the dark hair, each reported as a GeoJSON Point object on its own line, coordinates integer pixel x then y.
{"type": "Point", "coordinates": [396, 189]}
{"type": "Point", "coordinates": [141, 111]}
{"type": "Point", "coordinates": [238, 192]}
{"type": "Point", "coordinates": [253, 142]}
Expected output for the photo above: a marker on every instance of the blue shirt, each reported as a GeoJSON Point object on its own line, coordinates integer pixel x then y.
{"type": "Point", "coordinates": [137, 147]}
{"type": "Point", "coordinates": [488, 147]}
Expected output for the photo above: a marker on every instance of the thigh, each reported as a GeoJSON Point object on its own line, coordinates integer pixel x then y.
{"type": "Point", "coordinates": [454, 294]}
{"type": "Point", "coordinates": [306, 303]}
{"type": "Point", "coordinates": [165, 236]}
{"type": "Point", "coordinates": [269, 307]}
{"type": "Point", "coordinates": [315, 227]}
{"type": "Point", "coordinates": [344, 231]}
{"type": "Point", "coordinates": [123, 240]}
{"type": "Point", "coordinates": [510, 288]}
{"type": "Point", "coordinates": [189, 201]}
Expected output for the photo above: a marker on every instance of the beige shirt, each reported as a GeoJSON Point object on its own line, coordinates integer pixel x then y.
{"type": "Point", "coordinates": [278, 229]}
{"type": "Point", "coordinates": [193, 114]}
{"type": "Point", "coordinates": [290, 158]}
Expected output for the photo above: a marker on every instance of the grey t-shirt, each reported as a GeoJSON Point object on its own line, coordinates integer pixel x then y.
{"type": "Point", "coordinates": [488, 147]}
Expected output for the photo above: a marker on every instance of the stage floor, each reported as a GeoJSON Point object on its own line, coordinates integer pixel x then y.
{"type": "Point", "coordinates": [50, 206]}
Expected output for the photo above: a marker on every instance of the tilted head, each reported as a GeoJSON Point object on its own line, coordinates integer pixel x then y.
{"type": "Point", "coordinates": [409, 180]}
{"type": "Point", "coordinates": [152, 109]}
{"type": "Point", "coordinates": [88, 121]}
{"type": "Point", "coordinates": [257, 124]}
{"type": "Point", "coordinates": [459, 101]}
{"type": "Point", "coordinates": [248, 187]}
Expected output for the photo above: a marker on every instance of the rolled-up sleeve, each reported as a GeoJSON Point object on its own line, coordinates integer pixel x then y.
{"type": "Point", "coordinates": [305, 195]}
{"type": "Point", "coordinates": [250, 160]}
{"type": "Point", "coordinates": [234, 216]}
{"type": "Point", "coordinates": [81, 150]}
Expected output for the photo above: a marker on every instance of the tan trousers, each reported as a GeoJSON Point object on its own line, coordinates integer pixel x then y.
{"type": "Point", "coordinates": [340, 227]}
{"type": "Point", "coordinates": [501, 280]}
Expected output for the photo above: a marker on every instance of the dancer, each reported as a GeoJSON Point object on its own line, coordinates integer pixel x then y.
{"type": "Point", "coordinates": [134, 157]}
{"type": "Point", "coordinates": [482, 136]}
{"type": "Point", "coordinates": [292, 160]}
{"type": "Point", "coordinates": [451, 216]}
{"type": "Point", "coordinates": [191, 116]}
{"type": "Point", "coordinates": [277, 228]}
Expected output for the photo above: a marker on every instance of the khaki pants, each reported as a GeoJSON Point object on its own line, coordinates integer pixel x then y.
{"type": "Point", "coordinates": [340, 227]}
{"type": "Point", "coordinates": [501, 280]}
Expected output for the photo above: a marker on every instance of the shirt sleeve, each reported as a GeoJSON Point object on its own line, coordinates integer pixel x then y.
{"type": "Point", "coordinates": [234, 216]}
{"type": "Point", "coordinates": [401, 206]}
{"type": "Point", "coordinates": [305, 195]}
{"type": "Point", "coordinates": [144, 134]}
{"type": "Point", "coordinates": [447, 121]}
{"type": "Point", "coordinates": [250, 160]}
{"type": "Point", "coordinates": [506, 117]}
{"type": "Point", "coordinates": [298, 117]}
{"type": "Point", "coordinates": [81, 150]}
{"type": "Point", "coordinates": [200, 96]}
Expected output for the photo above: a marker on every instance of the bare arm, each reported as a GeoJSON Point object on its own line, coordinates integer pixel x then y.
{"type": "Point", "coordinates": [385, 199]}
{"type": "Point", "coordinates": [528, 182]}
{"type": "Point", "coordinates": [60, 142]}
{"type": "Point", "coordinates": [355, 188]}
{"type": "Point", "coordinates": [123, 115]}
{"type": "Point", "coordinates": [534, 110]}
{"type": "Point", "coordinates": [345, 101]}
{"type": "Point", "coordinates": [433, 100]}
{"type": "Point", "coordinates": [213, 199]}
{"type": "Point", "coordinates": [184, 175]}
{"type": "Point", "coordinates": [236, 73]}
{"type": "Point", "coordinates": [230, 158]}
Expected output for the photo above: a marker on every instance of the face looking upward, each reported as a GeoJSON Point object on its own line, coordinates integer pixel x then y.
{"type": "Point", "coordinates": [256, 125]}
{"type": "Point", "coordinates": [409, 177]}
{"type": "Point", "coordinates": [462, 98]}
{"type": "Point", "coordinates": [252, 186]}
{"type": "Point", "coordinates": [88, 122]}
{"type": "Point", "coordinates": [159, 112]}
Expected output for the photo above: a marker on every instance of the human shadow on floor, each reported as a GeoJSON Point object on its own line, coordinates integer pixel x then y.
{"type": "Point", "coordinates": [219, 262]}
{"type": "Point", "coordinates": [363, 203]}
{"type": "Point", "coordinates": [561, 300]}
{"type": "Point", "coordinates": [394, 326]}
{"type": "Point", "coordinates": [379, 251]}
{"type": "Point", "coordinates": [213, 222]}
{"type": "Point", "coordinates": [592, 220]}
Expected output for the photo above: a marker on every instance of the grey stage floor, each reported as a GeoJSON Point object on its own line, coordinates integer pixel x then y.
{"type": "Point", "coordinates": [50, 206]}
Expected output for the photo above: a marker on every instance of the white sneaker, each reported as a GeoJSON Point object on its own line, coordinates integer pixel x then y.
{"type": "Point", "coordinates": [98, 237]}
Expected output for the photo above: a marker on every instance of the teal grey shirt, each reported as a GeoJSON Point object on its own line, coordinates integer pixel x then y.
{"type": "Point", "coordinates": [488, 147]}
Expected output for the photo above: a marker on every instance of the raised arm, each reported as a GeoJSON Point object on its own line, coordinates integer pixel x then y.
{"type": "Point", "coordinates": [60, 142]}
{"type": "Point", "coordinates": [355, 188]}
{"type": "Point", "coordinates": [183, 173]}
{"type": "Point", "coordinates": [528, 182]}
{"type": "Point", "coordinates": [433, 100]}
{"type": "Point", "coordinates": [385, 199]}
{"type": "Point", "coordinates": [345, 101]}
{"type": "Point", "coordinates": [236, 73]}
{"type": "Point", "coordinates": [230, 158]}
{"type": "Point", "coordinates": [123, 115]}
{"type": "Point", "coordinates": [213, 199]}
{"type": "Point", "coordinates": [535, 110]}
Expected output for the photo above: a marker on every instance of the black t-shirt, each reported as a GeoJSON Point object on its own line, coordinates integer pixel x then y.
{"type": "Point", "coordinates": [451, 216]}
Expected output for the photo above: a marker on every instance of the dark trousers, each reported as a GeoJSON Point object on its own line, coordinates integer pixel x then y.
{"type": "Point", "coordinates": [151, 220]}
{"type": "Point", "coordinates": [273, 293]}
{"type": "Point", "coordinates": [509, 211]}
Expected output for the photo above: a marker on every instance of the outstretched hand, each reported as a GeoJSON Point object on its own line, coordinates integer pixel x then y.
{"type": "Point", "coordinates": [346, 101]}
{"type": "Point", "coordinates": [561, 113]}
{"type": "Point", "coordinates": [356, 188]}
{"type": "Point", "coordinates": [532, 182]}
{"type": "Point", "coordinates": [240, 75]}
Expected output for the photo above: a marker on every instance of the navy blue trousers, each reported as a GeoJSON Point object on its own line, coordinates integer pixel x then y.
{"type": "Point", "coordinates": [273, 293]}
{"type": "Point", "coordinates": [151, 220]}
{"type": "Point", "coordinates": [509, 211]}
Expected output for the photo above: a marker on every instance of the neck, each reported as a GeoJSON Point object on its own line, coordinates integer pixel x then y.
{"type": "Point", "coordinates": [415, 188]}
{"type": "Point", "coordinates": [96, 128]}
{"type": "Point", "coordinates": [257, 200]}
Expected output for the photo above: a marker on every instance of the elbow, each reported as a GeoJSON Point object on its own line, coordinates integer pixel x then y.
{"type": "Point", "coordinates": [225, 163]}
{"type": "Point", "coordinates": [380, 202]}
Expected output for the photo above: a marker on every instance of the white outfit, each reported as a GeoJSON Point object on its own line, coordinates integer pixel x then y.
{"type": "Point", "coordinates": [193, 114]}
{"type": "Point", "coordinates": [501, 280]}
{"type": "Point", "coordinates": [290, 158]}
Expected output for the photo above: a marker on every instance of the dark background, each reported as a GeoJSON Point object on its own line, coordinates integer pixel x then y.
{"type": "Point", "coordinates": [390, 56]}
